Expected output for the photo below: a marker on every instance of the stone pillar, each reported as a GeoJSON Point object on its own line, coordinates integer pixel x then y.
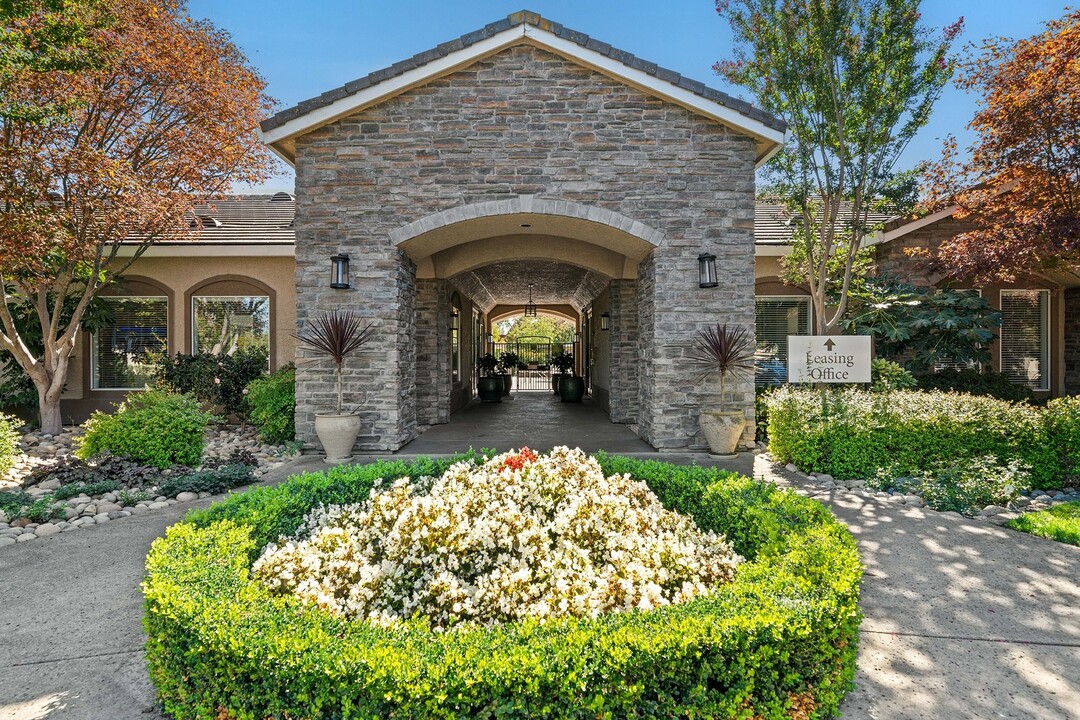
{"type": "Point", "coordinates": [380, 379]}
{"type": "Point", "coordinates": [625, 362]}
{"type": "Point", "coordinates": [432, 351]}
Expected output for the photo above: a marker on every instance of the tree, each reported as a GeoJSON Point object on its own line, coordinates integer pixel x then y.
{"type": "Point", "coordinates": [1019, 190]}
{"type": "Point", "coordinates": [557, 329]}
{"type": "Point", "coordinates": [159, 115]}
{"type": "Point", "coordinates": [855, 80]}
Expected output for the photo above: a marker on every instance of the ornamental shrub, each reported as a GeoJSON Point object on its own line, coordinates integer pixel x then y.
{"type": "Point", "coordinates": [212, 480]}
{"type": "Point", "coordinates": [1063, 435]}
{"type": "Point", "coordinates": [965, 486]}
{"type": "Point", "coordinates": [9, 441]}
{"type": "Point", "coordinates": [777, 642]}
{"type": "Point", "coordinates": [155, 427]}
{"type": "Point", "coordinates": [975, 382]}
{"type": "Point", "coordinates": [272, 403]}
{"type": "Point", "coordinates": [217, 380]}
{"type": "Point", "coordinates": [857, 434]}
{"type": "Point", "coordinates": [885, 375]}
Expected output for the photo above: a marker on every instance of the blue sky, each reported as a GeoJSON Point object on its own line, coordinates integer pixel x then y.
{"type": "Point", "coordinates": [303, 48]}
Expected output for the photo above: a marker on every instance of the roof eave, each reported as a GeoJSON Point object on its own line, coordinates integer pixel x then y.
{"type": "Point", "coordinates": [282, 138]}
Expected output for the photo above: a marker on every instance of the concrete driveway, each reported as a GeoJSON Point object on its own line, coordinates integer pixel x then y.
{"type": "Point", "coordinates": [963, 619]}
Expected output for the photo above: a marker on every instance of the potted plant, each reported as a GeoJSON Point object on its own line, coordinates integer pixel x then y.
{"type": "Point", "coordinates": [731, 352]}
{"type": "Point", "coordinates": [571, 387]}
{"type": "Point", "coordinates": [335, 335]}
{"type": "Point", "coordinates": [563, 362]}
{"type": "Point", "coordinates": [509, 362]}
{"type": "Point", "coordinates": [490, 385]}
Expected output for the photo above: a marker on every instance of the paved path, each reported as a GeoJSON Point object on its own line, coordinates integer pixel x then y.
{"type": "Point", "coordinates": [963, 619]}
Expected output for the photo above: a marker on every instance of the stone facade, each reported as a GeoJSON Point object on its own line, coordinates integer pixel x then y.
{"type": "Point", "coordinates": [1071, 341]}
{"type": "Point", "coordinates": [433, 351]}
{"type": "Point", "coordinates": [625, 360]}
{"type": "Point", "coordinates": [524, 122]}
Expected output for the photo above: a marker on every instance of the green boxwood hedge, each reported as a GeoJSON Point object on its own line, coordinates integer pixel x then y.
{"type": "Point", "coordinates": [778, 642]}
{"type": "Point", "coordinates": [855, 434]}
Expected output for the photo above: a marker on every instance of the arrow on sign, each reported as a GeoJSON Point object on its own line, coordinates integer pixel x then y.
{"type": "Point", "coordinates": [829, 345]}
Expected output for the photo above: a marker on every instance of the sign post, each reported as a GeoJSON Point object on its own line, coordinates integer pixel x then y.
{"type": "Point", "coordinates": [828, 358]}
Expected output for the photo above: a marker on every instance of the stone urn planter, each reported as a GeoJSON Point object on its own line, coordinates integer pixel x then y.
{"type": "Point", "coordinates": [571, 388]}
{"type": "Point", "coordinates": [337, 433]}
{"type": "Point", "coordinates": [336, 335]}
{"type": "Point", "coordinates": [490, 389]}
{"type": "Point", "coordinates": [722, 431]}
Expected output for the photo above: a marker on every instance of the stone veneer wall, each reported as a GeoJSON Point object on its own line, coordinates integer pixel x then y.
{"type": "Point", "coordinates": [433, 351]}
{"type": "Point", "coordinates": [523, 122]}
{"type": "Point", "coordinates": [1071, 341]}
{"type": "Point", "coordinates": [624, 360]}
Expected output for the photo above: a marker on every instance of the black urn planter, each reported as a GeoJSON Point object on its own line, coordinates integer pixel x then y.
{"type": "Point", "coordinates": [571, 388]}
{"type": "Point", "coordinates": [508, 383]}
{"type": "Point", "coordinates": [490, 389]}
{"type": "Point", "coordinates": [555, 382]}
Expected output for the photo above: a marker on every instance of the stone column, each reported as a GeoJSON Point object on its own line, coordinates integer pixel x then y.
{"type": "Point", "coordinates": [432, 351]}
{"type": "Point", "coordinates": [625, 362]}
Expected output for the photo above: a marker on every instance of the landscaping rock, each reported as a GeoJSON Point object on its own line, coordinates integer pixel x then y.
{"type": "Point", "coordinates": [187, 496]}
{"type": "Point", "coordinates": [993, 510]}
{"type": "Point", "coordinates": [108, 507]}
{"type": "Point", "coordinates": [47, 530]}
{"type": "Point", "coordinates": [7, 541]}
{"type": "Point", "coordinates": [26, 537]}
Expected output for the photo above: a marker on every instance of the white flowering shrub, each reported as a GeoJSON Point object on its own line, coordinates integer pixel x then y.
{"type": "Point", "coordinates": [520, 535]}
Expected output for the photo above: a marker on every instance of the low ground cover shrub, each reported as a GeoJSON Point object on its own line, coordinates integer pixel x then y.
{"type": "Point", "coordinates": [779, 641]}
{"type": "Point", "coordinates": [1063, 434]}
{"type": "Point", "coordinates": [156, 427]}
{"type": "Point", "coordinates": [101, 470]}
{"type": "Point", "coordinates": [9, 441]}
{"type": "Point", "coordinates": [858, 434]}
{"type": "Point", "coordinates": [66, 492]}
{"type": "Point", "coordinates": [272, 403]}
{"type": "Point", "coordinates": [212, 480]}
{"type": "Point", "coordinates": [1061, 523]}
{"type": "Point", "coordinates": [975, 382]}
{"type": "Point", "coordinates": [965, 486]}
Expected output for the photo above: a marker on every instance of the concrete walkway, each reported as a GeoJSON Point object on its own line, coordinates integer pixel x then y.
{"type": "Point", "coordinates": [963, 619]}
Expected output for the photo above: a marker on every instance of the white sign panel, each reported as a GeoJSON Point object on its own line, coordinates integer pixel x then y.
{"type": "Point", "coordinates": [828, 358]}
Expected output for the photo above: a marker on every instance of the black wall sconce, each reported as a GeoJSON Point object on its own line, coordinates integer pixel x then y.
{"type": "Point", "coordinates": [707, 270]}
{"type": "Point", "coordinates": [605, 321]}
{"type": "Point", "coordinates": [339, 272]}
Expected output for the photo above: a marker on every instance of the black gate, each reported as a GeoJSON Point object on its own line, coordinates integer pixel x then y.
{"type": "Point", "coordinates": [533, 372]}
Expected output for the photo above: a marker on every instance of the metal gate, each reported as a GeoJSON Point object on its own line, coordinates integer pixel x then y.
{"type": "Point", "coordinates": [533, 371]}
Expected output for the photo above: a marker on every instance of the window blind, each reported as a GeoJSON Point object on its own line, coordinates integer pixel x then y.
{"type": "Point", "coordinates": [778, 317]}
{"type": "Point", "coordinates": [1025, 341]}
{"type": "Point", "coordinates": [124, 355]}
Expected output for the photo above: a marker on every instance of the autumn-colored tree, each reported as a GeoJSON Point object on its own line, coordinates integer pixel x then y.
{"type": "Point", "coordinates": [855, 80]}
{"type": "Point", "coordinates": [1019, 188]}
{"type": "Point", "coordinates": [160, 116]}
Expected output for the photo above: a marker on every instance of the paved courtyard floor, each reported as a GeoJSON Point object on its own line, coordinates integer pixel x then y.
{"type": "Point", "coordinates": [963, 619]}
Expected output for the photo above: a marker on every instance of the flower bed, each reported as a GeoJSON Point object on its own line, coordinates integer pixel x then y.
{"type": "Point", "coordinates": [778, 641]}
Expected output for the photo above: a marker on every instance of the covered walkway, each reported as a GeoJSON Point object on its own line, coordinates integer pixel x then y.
{"type": "Point", "coordinates": [537, 420]}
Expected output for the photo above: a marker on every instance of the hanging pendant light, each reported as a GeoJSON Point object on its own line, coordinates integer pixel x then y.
{"type": "Point", "coordinates": [530, 307]}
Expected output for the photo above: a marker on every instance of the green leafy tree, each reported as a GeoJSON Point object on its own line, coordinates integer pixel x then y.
{"type": "Point", "coordinates": [855, 80]}
{"type": "Point", "coordinates": [559, 330]}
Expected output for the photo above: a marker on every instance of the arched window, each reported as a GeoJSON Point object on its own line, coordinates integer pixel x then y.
{"type": "Point", "coordinates": [455, 337]}
{"type": "Point", "coordinates": [230, 314]}
{"type": "Point", "coordinates": [124, 353]}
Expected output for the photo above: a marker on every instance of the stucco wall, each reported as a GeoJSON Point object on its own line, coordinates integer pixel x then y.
{"type": "Point", "coordinates": [525, 122]}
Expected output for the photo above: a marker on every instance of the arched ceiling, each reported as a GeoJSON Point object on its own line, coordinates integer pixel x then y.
{"type": "Point", "coordinates": [554, 283]}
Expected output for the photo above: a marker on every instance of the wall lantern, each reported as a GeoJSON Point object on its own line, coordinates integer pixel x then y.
{"type": "Point", "coordinates": [339, 272]}
{"type": "Point", "coordinates": [577, 337]}
{"type": "Point", "coordinates": [605, 321]}
{"type": "Point", "coordinates": [707, 270]}
{"type": "Point", "coordinates": [455, 321]}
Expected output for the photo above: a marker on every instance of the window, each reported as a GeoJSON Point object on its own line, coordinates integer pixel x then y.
{"type": "Point", "coordinates": [1025, 337]}
{"type": "Point", "coordinates": [224, 324]}
{"type": "Point", "coordinates": [123, 356]}
{"type": "Point", "coordinates": [777, 317]}
{"type": "Point", "coordinates": [947, 363]}
{"type": "Point", "coordinates": [455, 338]}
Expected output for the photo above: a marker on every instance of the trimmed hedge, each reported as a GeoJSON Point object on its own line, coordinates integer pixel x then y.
{"type": "Point", "coordinates": [857, 434]}
{"type": "Point", "coordinates": [778, 642]}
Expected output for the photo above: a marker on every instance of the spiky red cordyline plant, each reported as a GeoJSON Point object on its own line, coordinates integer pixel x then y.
{"type": "Point", "coordinates": [336, 334]}
{"type": "Point", "coordinates": [730, 351]}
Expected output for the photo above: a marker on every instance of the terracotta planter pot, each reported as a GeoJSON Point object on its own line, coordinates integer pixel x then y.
{"type": "Point", "coordinates": [722, 430]}
{"type": "Point", "coordinates": [337, 433]}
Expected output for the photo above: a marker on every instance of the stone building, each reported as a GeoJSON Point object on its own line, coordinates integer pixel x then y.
{"type": "Point", "coordinates": [524, 153]}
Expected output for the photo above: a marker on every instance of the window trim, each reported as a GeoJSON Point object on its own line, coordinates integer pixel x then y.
{"type": "Point", "coordinates": [93, 364]}
{"type": "Point", "coordinates": [237, 285]}
{"type": "Point", "coordinates": [1044, 384]}
{"type": "Point", "coordinates": [456, 374]}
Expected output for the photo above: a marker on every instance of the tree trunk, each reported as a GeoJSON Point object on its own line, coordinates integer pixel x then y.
{"type": "Point", "coordinates": [50, 383]}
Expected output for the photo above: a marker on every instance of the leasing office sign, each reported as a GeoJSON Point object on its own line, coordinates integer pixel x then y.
{"type": "Point", "coordinates": [829, 358]}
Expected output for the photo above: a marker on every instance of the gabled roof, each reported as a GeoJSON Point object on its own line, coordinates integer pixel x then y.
{"type": "Point", "coordinates": [521, 28]}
